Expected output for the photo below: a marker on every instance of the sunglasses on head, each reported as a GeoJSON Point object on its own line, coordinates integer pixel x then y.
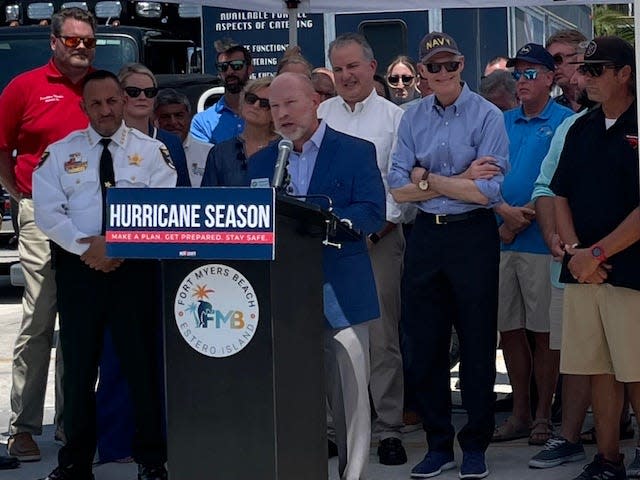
{"type": "Point", "coordinates": [528, 74]}
{"type": "Point", "coordinates": [395, 79]}
{"type": "Point", "coordinates": [594, 69]}
{"type": "Point", "coordinates": [252, 98]}
{"type": "Point", "coordinates": [134, 92]}
{"type": "Point", "coordinates": [234, 64]}
{"type": "Point", "coordinates": [448, 66]}
{"type": "Point", "coordinates": [74, 42]}
{"type": "Point", "coordinates": [559, 58]}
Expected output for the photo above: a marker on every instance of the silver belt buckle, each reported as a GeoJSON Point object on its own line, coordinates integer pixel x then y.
{"type": "Point", "coordinates": [441, 219]}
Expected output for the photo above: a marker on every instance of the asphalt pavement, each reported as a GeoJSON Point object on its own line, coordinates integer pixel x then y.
{"type": "Point", "coordinates": [506, 461]}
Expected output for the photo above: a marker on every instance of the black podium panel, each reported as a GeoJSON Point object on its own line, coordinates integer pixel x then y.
{"type": "Point", "coordinates": [259, 413]}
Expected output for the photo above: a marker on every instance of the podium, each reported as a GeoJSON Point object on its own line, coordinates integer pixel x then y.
{"type": "Point", "coordinates": [260, 412]}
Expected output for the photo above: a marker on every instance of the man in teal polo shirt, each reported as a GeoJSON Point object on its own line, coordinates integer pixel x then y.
{"type": "Point", "coordinates": [524, 292]}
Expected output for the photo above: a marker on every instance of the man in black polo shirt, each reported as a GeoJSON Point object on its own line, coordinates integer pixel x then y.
{"type": "Point", "coordinates": [596, 184]}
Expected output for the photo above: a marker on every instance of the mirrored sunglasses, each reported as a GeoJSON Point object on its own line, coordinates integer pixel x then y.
{"type": "Point", "coordinates": [74, 42]}
{"type": "Point", "coordinates": [448, 66]}
{"type": "Point", "coordinates": [594, 69]}
{"type": "Point", "coordinates": [559, 58]}
{"type": "Point", "coordinates": [528, 74]}
{"type": "Point", "coordinates": [252, 98]}
{"type": "Point", "coordinates": [234, 64]}
{"type": "Point", "coordinates": [395, 79]}
{"type": "Point", "coordinates": [134, 92]}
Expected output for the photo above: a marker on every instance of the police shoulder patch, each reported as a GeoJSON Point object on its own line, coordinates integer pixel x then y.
{"type": "Point", "coordinates": [43, 158]}
{"type": "Point", "coordinates": [167, 157]}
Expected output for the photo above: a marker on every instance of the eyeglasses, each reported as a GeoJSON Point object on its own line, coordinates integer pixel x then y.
{"type": "Point", "coordinates": [235, 65]}
{"type": "Point", "coordinates": [74, 42]}
{"type": "Point", "coordinates": [252, 98]}
{"type": "Point", "coordinates": [448, 66]}
{"type": "Point", "coordinates": [595, 69]}
{"type": "Point", "coordinates": [559, 58]}
{"type": "Point", "coordinates": [528, 74]}
{"type": "Point", "coordinates": [134, 92]}
{"type": "Point", "coordinates": [395, 79]}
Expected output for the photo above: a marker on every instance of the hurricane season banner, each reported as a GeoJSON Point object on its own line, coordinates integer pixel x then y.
{"type": "Point", "coordinates": [190, 223]}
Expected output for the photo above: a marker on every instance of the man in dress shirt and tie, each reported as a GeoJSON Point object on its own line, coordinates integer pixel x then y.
{"type": "Point", "coordinates": [450, 160]}
{"type": "Point", "coordinates": [96, 292]}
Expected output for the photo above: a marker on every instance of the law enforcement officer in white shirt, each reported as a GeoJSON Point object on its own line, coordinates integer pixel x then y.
{"type": "Point", "coordinates": [359, 111]}
{"type": "Point", "coordinates": [94, 291]}
{"type": "Point", "coordinates": [172, 113]}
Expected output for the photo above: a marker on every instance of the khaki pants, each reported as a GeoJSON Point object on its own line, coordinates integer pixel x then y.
{"type": "Point", "coordinates": [386, 384]}
{"type": "Point", "coordinates": [34, 342]}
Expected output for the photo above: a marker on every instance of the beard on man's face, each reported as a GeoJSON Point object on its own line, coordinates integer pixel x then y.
{"type": "Point", "coordinates": [234, 84]}
{"type": "Point", "coordinates": [584, 100]}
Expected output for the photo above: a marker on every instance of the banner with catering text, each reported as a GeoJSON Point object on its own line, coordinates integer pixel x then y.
{"type": "Point", "coordinates": [191, 223]}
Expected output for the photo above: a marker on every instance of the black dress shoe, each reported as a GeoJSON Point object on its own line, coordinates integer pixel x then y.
{"type": "Point", "coordinates": [68, 473]}
{"type": "Point", "coordinates": [7, 463]}
{"type": "Point", "coordinates": [152, 472]}
{"type": "Point", "coordinates": [391, 452]}
{"type": "Point", "coordinates": [332, 449]}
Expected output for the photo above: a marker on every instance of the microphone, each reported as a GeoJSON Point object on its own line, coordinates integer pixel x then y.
{"type": "Point", "coordinates": [284, 150]}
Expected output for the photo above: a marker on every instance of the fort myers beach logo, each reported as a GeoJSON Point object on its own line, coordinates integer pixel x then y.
{"type": "Point", "coordinates": [216, 310]}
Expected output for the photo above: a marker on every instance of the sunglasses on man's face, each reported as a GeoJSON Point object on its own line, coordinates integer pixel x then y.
{"type": "Point", "coordinates": [559, 59]}
{"type": "Point", "coordinates": [594, 69]}
{"type": "Point", "coordinates": [74, 42]}
{"type": "Point", "coordinates": [252, 98]}
{"type": "Point", "coordinates": [134, 92]}
{"type": "Point", "coordinates": [448, 66]}
{"type": "Point", "coordinates": [235, 65]}
{"type": "Point", "coordinates": [395, 79]}
{"type": "Point", "coordinates": [528, 74]}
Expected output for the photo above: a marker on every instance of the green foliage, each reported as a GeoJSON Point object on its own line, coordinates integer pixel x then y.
{"type": "Point", "coordinates": [613, 20]}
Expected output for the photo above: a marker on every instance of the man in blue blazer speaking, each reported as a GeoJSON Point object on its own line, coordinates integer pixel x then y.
{"type": "Point", "coordinates": [344, 168]}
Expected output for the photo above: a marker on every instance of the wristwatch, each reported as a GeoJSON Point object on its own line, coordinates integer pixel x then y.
{"type": "Point", "coordinates": [374, 237]}
{"type": "Point", "coordinates": [423, 184]}
{"type": "Point", "coordinates": [598, 253]}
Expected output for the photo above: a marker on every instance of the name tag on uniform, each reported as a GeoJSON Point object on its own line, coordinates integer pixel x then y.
{"type": "Point", "coordinates": [260, 183]}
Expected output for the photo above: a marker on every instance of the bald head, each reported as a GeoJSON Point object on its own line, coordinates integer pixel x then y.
{"type": "Point", "coordinates": [294, 103]}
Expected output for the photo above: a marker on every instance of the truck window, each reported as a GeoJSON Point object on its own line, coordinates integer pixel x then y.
{"type": "Point", "coordinates": [388, 39]}
{"type": "Point", "coordinates": [18, 55]}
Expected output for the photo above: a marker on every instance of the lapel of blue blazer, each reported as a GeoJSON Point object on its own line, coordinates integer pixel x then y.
{"type": "Point", "coordinates": [326, 153]}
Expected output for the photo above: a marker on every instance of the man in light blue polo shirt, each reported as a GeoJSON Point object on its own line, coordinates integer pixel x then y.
{"type": "Point", "coordinates": [222, 121]}
{"type": "Point", "coordinates": [525, 289]}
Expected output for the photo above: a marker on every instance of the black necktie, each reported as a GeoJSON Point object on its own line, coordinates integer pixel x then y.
{"type": "Point", "coordinates": [107, 178]}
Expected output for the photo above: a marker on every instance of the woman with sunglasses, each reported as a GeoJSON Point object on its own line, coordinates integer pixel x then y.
{"type": "Point", "coordinates": [401, 78]}
{"type": "Point", "coordinates": [140, 89]}
{"type": "Point", "coordinates": [114, 411]}
{"type": "Point", "coordinates": [227, 162]}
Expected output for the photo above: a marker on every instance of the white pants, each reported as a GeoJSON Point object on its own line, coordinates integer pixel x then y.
{"type": "Point", "coordinates": [347, 377]}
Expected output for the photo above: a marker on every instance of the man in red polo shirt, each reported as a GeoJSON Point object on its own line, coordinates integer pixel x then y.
{"type": "Point", "coordinates": [38, 108]}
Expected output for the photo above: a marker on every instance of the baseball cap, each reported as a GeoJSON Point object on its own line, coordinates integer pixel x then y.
{"type": "Point", "coordinates": [533, 53]}
{"type": "Point", "coordinates": [610, 50]}
{"type": "Point", "coordinates": [436, 42]}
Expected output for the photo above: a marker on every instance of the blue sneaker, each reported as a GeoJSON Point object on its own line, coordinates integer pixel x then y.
{"type": "Point", "coordinates": [473, 465]}
{"type": "Point", "coordinates": [434, 463]}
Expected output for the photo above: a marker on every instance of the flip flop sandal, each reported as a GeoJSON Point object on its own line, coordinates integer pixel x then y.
{"type": "Point", "coordinates": [541, 431]}
{"type": "Point", "coordinates": [511, 429]}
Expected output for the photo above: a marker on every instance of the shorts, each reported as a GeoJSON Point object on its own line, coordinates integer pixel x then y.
{"type": "Point", "coordinates": [601, 331]}
{"type": "Point", "coordinates": [525, 292]}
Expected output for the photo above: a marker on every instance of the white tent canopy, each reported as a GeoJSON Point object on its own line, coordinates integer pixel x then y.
{"type": "Point", "coordinates": [360, 6]}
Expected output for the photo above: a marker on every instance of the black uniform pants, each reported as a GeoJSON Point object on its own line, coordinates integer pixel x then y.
{"type": "Point", "coordinates": [451, 277]}
{"type": "Point", "coordinates": [88, 302]}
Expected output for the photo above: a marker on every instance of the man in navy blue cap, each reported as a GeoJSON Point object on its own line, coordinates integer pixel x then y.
{"type": "Point", "coordinates": [524, 288]}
